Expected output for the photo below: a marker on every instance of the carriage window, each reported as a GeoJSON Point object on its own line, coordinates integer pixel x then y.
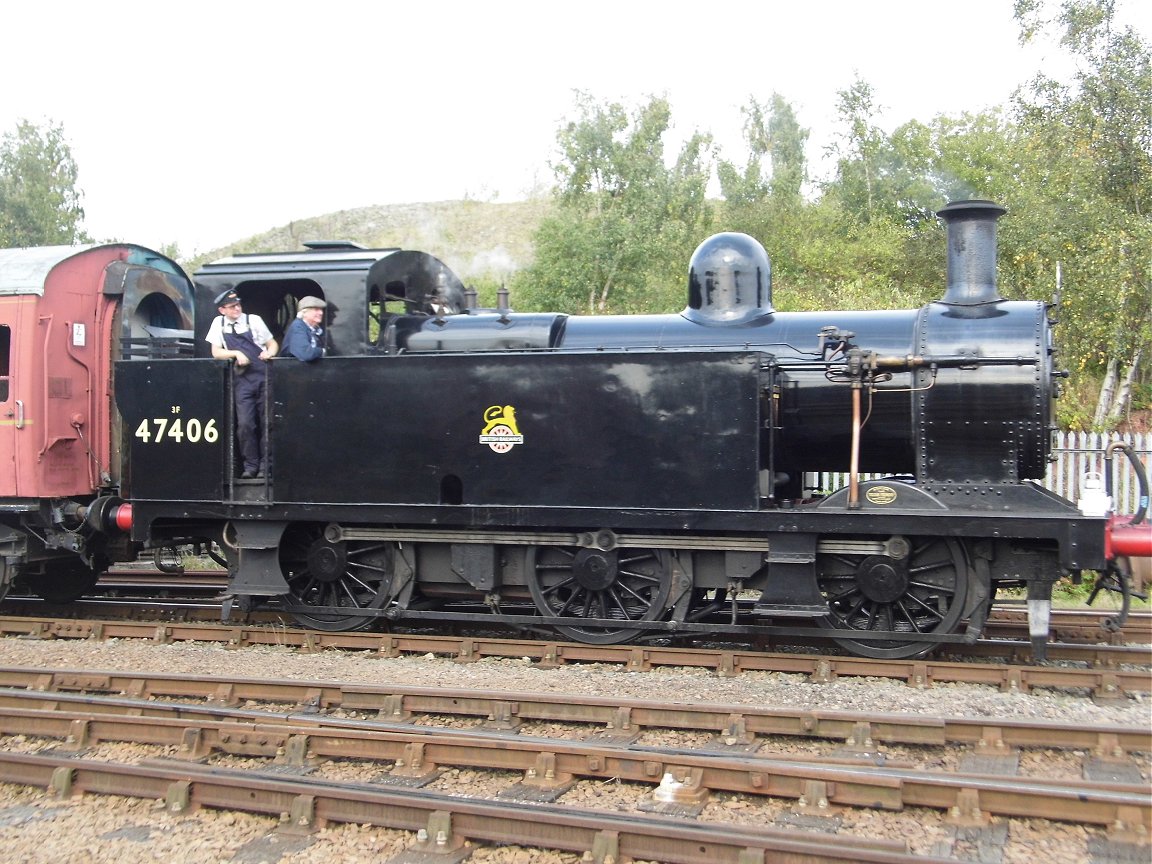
{"type": "Point", "coordinates": [5, 353]}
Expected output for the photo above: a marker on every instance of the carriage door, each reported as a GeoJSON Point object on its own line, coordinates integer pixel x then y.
{"type": "Point", "coordinates": [11, 407]}
{"type": "Point", "coordinates": [19, 398]}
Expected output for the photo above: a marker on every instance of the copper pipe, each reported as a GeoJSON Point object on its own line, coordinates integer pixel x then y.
{"type": "Point", "coordinates": [854, 467]}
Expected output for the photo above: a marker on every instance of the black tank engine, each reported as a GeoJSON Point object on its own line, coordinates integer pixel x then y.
{"type": "Point", "coordinates": [622, 477]}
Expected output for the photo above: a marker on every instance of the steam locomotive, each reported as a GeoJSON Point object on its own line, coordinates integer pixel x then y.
{"type": "Point", "coordinates": [615, 478]}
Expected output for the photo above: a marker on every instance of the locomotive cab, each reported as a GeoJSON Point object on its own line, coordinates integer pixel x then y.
{"type": "Point", "coordinates": [358, 285]}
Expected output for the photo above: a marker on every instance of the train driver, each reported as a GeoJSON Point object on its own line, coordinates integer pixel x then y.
{"type": "Point", "coordinates": [247, 340]}
{"type": "Point", "coordinates": [304, 338]}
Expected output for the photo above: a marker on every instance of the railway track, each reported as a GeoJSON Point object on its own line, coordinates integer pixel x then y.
{"type": "Point", "coordinates": [1113, 681]}
{"type": "Point", "coordinates": [74, 708]}
{"type": "Point", "coordinates": [733, 726]}
{"type": "Point", "coordinates": [196, 595]}
{"type": "Point", "coordinates": [445, 823]}
{"type": "Point", "coordinates": [745, 780]}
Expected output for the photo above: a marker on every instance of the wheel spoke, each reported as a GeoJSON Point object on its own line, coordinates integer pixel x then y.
{"type": "Point", "coordinates": [908, 616]}
{"type": "Point", "coordinates": [933, 565]}
{"type": "Point", "coordinates": [563, 610]}
{"type": "Point", "coordinates": [845, 561]}
{"type": "Point", "coordinates": [372, 567]}
{"type": "Point", "coordinates": [930, 610]}
{"type": "Point", "coordinates": [349, 594]}
{"type": "Point", "coordinates": [353, 579]}
{"type": "Point", "coordinates": [627, 589]}
{"type": "Point", "coordinates": [847, 592]}
{"type": "Point", "coordinates": [855, 610]}
{"type": "Point", "coordinates": [561, 586]}
{"type": "Point", "coordinates": [618, 603]}
{"type": "Point", "coordinates": [930, 586]}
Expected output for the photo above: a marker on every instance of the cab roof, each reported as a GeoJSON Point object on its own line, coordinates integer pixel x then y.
{"type": "Point", "coordinates": [25, 270]}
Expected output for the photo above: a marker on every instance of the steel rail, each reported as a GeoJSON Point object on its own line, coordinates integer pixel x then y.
{"type": "Point", "coordinates": [1067, 627]}
{"type": "Point", "coordinates": [1004, 610]}
{"type": "Point", "coordinates": [1006, 620]}
{"type": "Point", "coordinates": [1071, 624]}
{"type": "Point", "coordinates": [1103, 683]}
{"type": "Point", "coordinates": [551, 764]}
{"type": "Point", "coordinates": [733, 723]}
{"type": "Point", "coordinates": [446, 822]}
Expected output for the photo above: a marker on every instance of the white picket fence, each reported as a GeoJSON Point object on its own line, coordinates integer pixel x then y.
{"type": "Point", "coordinates": [1081, 453]}
{"type": "Point", "coordinates": [1076, 455]}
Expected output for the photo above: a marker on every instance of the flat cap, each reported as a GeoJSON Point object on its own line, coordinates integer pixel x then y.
{"type": "Point", "coordinates": [310, 303]}
{"type": "Point", "coordinates": [227, 298]}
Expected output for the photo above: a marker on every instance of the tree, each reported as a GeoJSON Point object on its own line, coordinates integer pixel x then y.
{"type": "Point", "coordinates": [881, 177]}
{"type": "Point", "coordinates": [1107, 111]}
{"type": "Point", "coordinates": [786, 141]}
{"type": "Point", "coordinates": [774, 134]}
{"type": "Point", "coordinates": [763, 198]}
{"type": "Point", "coordinates": [1086, 183]}
{"type": "Point", "coordinates": [39, 200]}
{"type": "Point", "coordinates": [626, 222]}
{"type": "Point", "coordinates": [861, 151]}
{"type": "Point", "coordinates": [748, 188]}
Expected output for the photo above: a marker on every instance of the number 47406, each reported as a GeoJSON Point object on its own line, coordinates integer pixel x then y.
{"type": "Point", "coordinates": [178, 429]}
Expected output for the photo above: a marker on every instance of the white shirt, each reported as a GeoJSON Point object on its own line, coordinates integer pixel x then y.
{"type": "Point", "coordinates": [260, 332]}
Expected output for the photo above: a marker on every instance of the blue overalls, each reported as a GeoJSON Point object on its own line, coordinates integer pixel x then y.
{"type": "Point", "coordinates": [248, 387]}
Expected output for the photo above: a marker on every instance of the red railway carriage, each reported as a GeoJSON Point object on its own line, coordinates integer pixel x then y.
{"type": "Point", "coordinates": [67, 313]}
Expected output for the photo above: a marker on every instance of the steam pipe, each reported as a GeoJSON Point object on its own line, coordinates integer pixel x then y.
{"type": "Point", "coordinates": [854, 457]}
{"type": "Point", "coordinates": [1137, 468]}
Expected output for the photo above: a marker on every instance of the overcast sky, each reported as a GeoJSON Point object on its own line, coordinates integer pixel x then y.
{"type": "Point", "coordinates": [203, 123]}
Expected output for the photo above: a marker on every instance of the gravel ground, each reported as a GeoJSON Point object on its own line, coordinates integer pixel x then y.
{"type": "Point", "coordinates": [37, 828]}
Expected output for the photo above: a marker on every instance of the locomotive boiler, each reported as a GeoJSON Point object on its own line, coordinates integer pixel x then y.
{"type": "Point", "coordinates": [625, 477]}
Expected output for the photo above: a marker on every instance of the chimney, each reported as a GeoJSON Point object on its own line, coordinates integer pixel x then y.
{"type": "Point", "coordinates": [971, 252]}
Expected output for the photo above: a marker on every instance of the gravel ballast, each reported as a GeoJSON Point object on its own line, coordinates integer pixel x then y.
{"type": "Point", "coordinates": [35, 827]}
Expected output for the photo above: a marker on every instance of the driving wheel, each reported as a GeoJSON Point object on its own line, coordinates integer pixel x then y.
{"type": "Point", "coordinates": [917, 586]}
{"type": "Point", "coordinates": [333, 583]}
{"type": "Point", "coordinates": [620, 584]}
